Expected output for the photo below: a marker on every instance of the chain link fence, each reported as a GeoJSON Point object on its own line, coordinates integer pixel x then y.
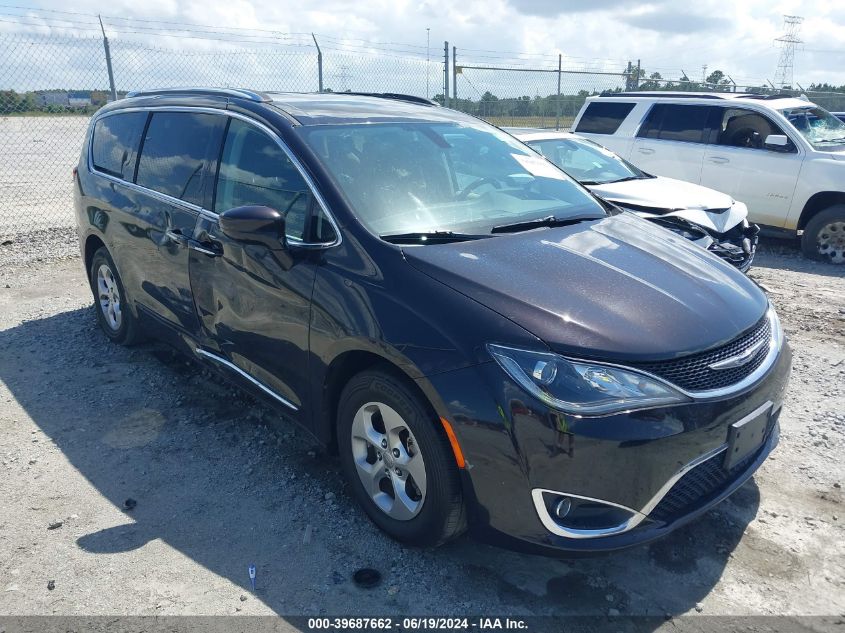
{"type": "Point", "coordinates": [50, 85]}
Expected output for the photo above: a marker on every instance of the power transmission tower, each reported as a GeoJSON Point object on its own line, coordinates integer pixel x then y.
{"type": "Point", "coordinates": [791, 26]}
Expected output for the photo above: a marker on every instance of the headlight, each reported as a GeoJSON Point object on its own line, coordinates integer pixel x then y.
{"type": "Point", "coordinates": [582, 387]}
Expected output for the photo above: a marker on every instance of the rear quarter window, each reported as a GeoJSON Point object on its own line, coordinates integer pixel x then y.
{"type": "Point", "coordinates": [602, 117]}
{"type": "Point", "coordinates": [114, 147]}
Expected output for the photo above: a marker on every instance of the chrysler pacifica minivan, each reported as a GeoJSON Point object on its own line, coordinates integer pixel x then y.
{"type": "Point", "coordinates": [484, 344]}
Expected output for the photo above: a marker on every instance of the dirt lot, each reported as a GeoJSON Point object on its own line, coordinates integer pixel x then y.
{"type": "Point", "coordinates": [87, 425]}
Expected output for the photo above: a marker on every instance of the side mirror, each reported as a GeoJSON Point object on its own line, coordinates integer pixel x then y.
{"type": "Point", "coordinates": [255, 225]}
{"type": "Point", "coordinates": [777, 142]}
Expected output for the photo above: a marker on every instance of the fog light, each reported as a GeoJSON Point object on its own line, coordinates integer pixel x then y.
{"type": "Point", "coordinates": [563, 507]}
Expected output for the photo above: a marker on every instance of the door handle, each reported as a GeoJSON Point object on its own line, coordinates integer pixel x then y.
{"type": "Point", "coordinates": [718, 160]}
{"type": "Point", "coordinates": [206, 248]}
{"type": "Point", "coordinates": [645, 150]}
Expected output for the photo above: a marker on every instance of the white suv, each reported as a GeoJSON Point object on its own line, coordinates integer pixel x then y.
{"type": "Point", "coordinates": [783, 157]}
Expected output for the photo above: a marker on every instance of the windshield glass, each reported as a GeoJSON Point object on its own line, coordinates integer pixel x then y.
{"type": "Point", "coordinates": [425, 177]}
{"type": "Point", "coordinates": [817, 125]}
{"type": "Point", "coordinates": [587, 162]}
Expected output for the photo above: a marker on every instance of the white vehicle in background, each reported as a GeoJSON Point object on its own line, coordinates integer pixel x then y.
{"type": "Point", "coordinates": [784, 157]}
{"type": "Point", "coordinates": [709, 218]}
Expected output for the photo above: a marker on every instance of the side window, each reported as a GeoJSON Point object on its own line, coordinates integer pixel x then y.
{"type": "Point", "coordinates": [177, 151]}
{"type": "Point", "coordinates": [738, 127]}
{"type": "Point", "coordinates": [603, 117]}
{"type": "Point", "coordinates": [676, 122]}
{"type": "Point", "coordinates": [114, 147]}
{"type": "Point", "coordinates": [255, 170]}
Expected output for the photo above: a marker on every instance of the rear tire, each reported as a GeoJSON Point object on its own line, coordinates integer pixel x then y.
{"type": "Point", "coordinates": [399, 464]}
{"type": "Point", "coordinates": [111, 302]}
{"type": "Point", "coordinates": [824, 235]}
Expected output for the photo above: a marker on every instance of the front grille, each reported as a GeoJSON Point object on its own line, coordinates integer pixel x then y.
{"type": "Point", "coordinates": [703, 481]}
{"type": "Point", "coordinates": [693, 372]}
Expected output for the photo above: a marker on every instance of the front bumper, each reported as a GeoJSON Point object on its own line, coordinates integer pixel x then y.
{"type": "Point", "coordinates": [661, 467]}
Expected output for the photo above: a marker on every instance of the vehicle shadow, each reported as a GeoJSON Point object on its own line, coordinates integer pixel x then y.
{"type": "Point", "coordinates": [785, 254]}
{"type": "Point", "coordinates": [217, 485]}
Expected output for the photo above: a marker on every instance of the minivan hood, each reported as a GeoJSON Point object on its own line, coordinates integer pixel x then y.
{"type": "Point", "coordinates": [618, 288]}
{"type": "Point", "coordinates": [662, 193]}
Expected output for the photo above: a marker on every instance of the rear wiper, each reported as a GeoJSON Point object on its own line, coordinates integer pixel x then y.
{"type": "Point", "coordinates": [550, 221]}
{"type": "Point", "coordinates": [429, 237]}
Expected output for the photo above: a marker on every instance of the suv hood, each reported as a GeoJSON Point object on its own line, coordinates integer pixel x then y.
{"type": "Point", "coordinates": [663, 193]}
{"type": "Point", "coordinates": [618, 288]}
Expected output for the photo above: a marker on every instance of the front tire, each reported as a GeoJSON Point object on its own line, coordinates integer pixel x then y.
{"type": "Point", "coordinates": [399, 465]}
{"type": "Point", "coordinates": [824, 235]}
{"type": "Point", "coordinates": [110, 301]}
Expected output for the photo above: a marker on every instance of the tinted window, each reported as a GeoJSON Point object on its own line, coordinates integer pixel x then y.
{"type": "Point", "coordinates": [255, 170]}
{"type": "Point", "coordinates": [603, 117]}
{"type": "Point", "coordinates": [738, 127]}
{"type": "Point", "coordinates": [114, 148]}
{"type": "Point", "coordinates": [176, 153]}
{"type": "Point", "coordinates": [675, 122]}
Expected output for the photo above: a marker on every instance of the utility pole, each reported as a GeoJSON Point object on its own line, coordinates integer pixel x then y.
{"type": "Point", "coordinates": [319, 63]}
{"type": "Point", "coordinates": [788, 41]}
{"type": "Point", "coordinates": [446, 74]}
{"type": "Point", "coordinates": [427, 62]}
{"type": "Point", "coordinates": [639, 73]}
{"type": "Point", "coordinates": [108, 60]}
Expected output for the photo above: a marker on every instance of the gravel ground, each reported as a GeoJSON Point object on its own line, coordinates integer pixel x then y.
{"type": "Point", "coordinates": [216, 485]}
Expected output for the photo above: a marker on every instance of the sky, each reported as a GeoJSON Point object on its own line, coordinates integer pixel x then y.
{"type": "Point", "coordinates": [669, 37]}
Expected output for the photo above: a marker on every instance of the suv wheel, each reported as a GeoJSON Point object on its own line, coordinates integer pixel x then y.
{"type": "Point", "coordinates": [824, 235]}
{"type": "Point", "coordinates": [401, 468]}
{"type": "Point", "coordinates": [110, 301]}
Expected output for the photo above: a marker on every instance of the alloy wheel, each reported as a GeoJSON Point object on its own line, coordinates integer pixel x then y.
{"type": "Point", "coordinates": [108, 296]}
{"type": "Point", "coordinates": [388, 461]}
{"type": "Point", "coordinates": [831, 242]}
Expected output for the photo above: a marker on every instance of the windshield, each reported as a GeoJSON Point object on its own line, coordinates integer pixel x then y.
{"type": "Point", "coordinates": [587, 162]}
{"type": "Point", "coordinates": [817, 125]}
{"type": "Point", "coordinates": [433, 177]}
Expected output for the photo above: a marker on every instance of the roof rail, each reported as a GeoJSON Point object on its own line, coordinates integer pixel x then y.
{"type": "Point", "coordinates": [393, 95]}
{"type": "Point", "coordinates": [675, 95]}
{"type": "Point", "coordinates": [236, 93]}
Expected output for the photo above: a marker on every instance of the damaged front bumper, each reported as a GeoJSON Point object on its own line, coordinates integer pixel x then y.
{"type": "Point", "coordinates": [736, 246]}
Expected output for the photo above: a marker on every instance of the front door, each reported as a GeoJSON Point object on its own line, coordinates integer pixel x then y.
{"type": "Point", "coordinates": [738, 163]}
{"type": "Point", "coordinates": [254, 305]}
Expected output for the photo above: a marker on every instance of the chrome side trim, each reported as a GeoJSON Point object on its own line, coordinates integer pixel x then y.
{"type": "Point", "coordinates": [241, 372]}
{"type": "Point", "coordinates": [207, 212]}
{"type": "Point", "coordinates": [637, 516]}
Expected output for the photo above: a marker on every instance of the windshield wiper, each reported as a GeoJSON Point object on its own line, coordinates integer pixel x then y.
{"type": "Point", "coordinates": [549, 221]}
{"type": "Point", "coordinates": [429, 237]}
{"type": "Point", "coordinates": [625, 179]}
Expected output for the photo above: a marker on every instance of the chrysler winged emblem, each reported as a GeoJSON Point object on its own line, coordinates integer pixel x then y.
{"type": "Point", "coordinates": [740, 359]}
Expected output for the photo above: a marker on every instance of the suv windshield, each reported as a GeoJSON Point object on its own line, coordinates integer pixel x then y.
{"type": "Point", "coordinates": [428, 177]}
{"type": "Point", "coordinates": [817, 125]}
{"type": "Point", "coordinates": [587, 162]}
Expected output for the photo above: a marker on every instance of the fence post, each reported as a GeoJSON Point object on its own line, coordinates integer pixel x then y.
{"type": "Point", "coordinates": [319, 64]}
{"type": "Point", "coordinates": [446, 74]}
{"type": "Point", "coordinates": [454, 76]}
{"type": "Point", "coordinates": [108, 60]}
{"type": "Point", "coordinates": [557, 108]}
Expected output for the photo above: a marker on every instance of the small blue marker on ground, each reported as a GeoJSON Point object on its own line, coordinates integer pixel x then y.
{"type": "Point", "coordinates": [252, 576]}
